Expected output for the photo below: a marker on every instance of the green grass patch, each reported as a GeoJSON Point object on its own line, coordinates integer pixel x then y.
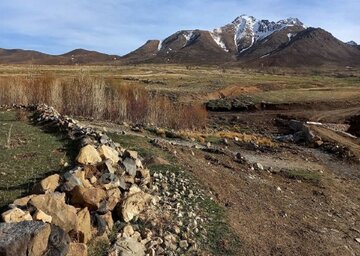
{"type": "Point", "coordinates": [30, 154]}
{"type": "Point", "coordinates": [304, 175]}
{"type": "Point", "coordinates": [220, 239]}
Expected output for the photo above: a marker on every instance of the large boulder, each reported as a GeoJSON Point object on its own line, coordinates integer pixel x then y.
{"type": "Point", "coordinates": [39, 215]}
{"type": "Point", "coordinates": [53, 204]}
{"type": "Point", "coordinates": [24, 238]}
{"type": "Point", "coordinates": [71, 181]}
{"type": "Point", "coordinates": [16, 215]}
{"type": "Point", "coordinates": [48, 184]}
{"type": "Point", "coordinates": [130, 166]}
{"type": "Point", "coordinates": [113, 198]}
{"type": "Point", "coordinates": [87, 197]}
{"type": "Point", "coordinates": [107, 152]}
{"type": "Point", "coordinates": [88, 155]}
{"type": "Point", "coordinates": [22, 202]}
{"type": "Point", "coordinates": [109, 181]}
{"type": "Point", "coordinates": [109, 221]}
{"type": "Point", "coordinates": [146, 177]}
{"type": "Point", "coordinates": [130, 153]}
{"type": "Point", "coordinates": [134, 204]}
{"type": "Point", "coordinates": [84, 226]}
{"type": "Point", "coordinates": [58, 244]}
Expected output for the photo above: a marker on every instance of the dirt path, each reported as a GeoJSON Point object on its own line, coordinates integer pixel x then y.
{"type": "Point", "coordinates": [333, 136]}
{"type": "Point", "coordinates": [275, 215]}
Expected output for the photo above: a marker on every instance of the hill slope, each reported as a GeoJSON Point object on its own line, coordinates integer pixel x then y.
{"type": "Point", "coordinates": [312, 47]}
{"type": "Point", "coordinates": [78, 56]}
{"type": "Point", "coordinates": [249, 41]}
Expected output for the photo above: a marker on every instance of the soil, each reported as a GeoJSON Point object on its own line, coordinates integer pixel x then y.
{"type": "Point", "coordinates": [315, 212]}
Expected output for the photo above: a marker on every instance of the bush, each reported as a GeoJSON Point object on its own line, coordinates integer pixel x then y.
{"type": "Point", "coordinates": [93, 97]}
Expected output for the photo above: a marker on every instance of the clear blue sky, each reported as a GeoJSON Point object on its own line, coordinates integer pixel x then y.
{"type": "Point", "coordinates": [119, 26]}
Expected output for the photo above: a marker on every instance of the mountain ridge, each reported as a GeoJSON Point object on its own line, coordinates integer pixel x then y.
{"type": "Point", "coordinates": [247, 41]}
{"type": "Point", "coordinates": [244, 41]}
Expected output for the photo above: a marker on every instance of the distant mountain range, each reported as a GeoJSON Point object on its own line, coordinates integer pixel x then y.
{"type": "Point", "coordinates": [245, 41]}
{"type": "Point", "coordinates": [78, 56]}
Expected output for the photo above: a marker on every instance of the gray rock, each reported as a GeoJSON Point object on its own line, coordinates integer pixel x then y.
{"type": "Point", "coordinates": [86, 141]}
{"type": "Point", "coordinates": [130, 166]}
{"type": "Point", "coordinates": [127, 246]}
{"type": "Point", "coordinates": [258, 167]}
{"type": "Point", "coordinates": [23, 238]}
{"type": "Point", "coordinates": [34, 238]}
{"type": "Point", "coordinates": [59, 241]}
{"type": "Point", "coordinates": [109, 181]}
{"type": "Point", "coordinates": [104, 139]}
{"type": "Point", "coordinates": [71, 181]}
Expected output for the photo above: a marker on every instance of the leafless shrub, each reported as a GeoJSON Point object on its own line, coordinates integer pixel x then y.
{"type": "Point", "coordinates": [93, 97]}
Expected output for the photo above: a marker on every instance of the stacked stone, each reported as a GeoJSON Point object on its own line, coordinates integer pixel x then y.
{"type": "Point", "coordinates": [66, 211]}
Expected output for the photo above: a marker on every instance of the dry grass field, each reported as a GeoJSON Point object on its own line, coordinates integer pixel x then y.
{"type": "Point", "coordinates": [196, 82]}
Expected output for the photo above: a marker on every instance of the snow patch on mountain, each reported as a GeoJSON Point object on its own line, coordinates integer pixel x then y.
{"type": "Point", "coordinates": [217, 39]}
{"type": "Point", "coordinates": [160, 45]}
{"type": "Point", "coordinates": [245, 30]}
{"type": "Point", "coordinates": [188, 35]}
{"type": "Point", "coordinates": [247, 48]}
{"type": "Point", "coordinates": [250, 29]}
{"type": "Point", "coordinates": [289, 35]}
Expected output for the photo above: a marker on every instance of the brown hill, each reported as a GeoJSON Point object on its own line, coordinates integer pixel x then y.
{"type": "Point", "coordinates": [18, 56]}
{"type": "Point", "coordinates": [143, 54]}
{"type": "Point", "coordinates": [81, 56]}
{"type": "Point", "coordinates": [187, 47]}
{"type": "Point", "coordinates": [312, 47]}
{"type": "Point", "coordinates": [78, 56]}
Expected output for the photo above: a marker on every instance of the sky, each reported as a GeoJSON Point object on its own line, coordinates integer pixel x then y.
{"type": "Point", "coordinates": [120, 26]}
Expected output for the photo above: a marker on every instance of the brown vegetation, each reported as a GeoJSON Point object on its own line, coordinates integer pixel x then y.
{"type": "Point", "coordinates": [93, 97]}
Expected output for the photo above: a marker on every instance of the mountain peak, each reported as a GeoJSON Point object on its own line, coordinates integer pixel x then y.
{"type": "Point", "coordinates": [248, 30]}
{"type": "Point", "coordinates": [243, 18]}
{"type": "Point", "coordinates": [353, 43]}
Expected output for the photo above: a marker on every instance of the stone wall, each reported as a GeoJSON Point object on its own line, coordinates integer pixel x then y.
{"type": "Point", "coordinates": [67, 211]}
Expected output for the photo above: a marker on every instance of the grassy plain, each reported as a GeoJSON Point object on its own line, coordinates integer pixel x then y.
{"type": "Point", "coordinates": [187, 83]}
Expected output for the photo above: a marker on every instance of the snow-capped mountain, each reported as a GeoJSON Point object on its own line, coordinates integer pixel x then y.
{"type": "Point", "coordinates": [247, 40]}
{"type": "Point", "coordinates": [248, 30]}
{"type": "Point", "coordinates": [221, 44]}
{"type": "Point", "coordinates": [241, 34]}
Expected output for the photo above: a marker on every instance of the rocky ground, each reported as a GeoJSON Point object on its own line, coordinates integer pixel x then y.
{"type": "Point", "coordinates": [297, 196]}
{"type": "Point", "coordinates": [108, 203]}
{"type": "Point", "coordinates": [145, 191]}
